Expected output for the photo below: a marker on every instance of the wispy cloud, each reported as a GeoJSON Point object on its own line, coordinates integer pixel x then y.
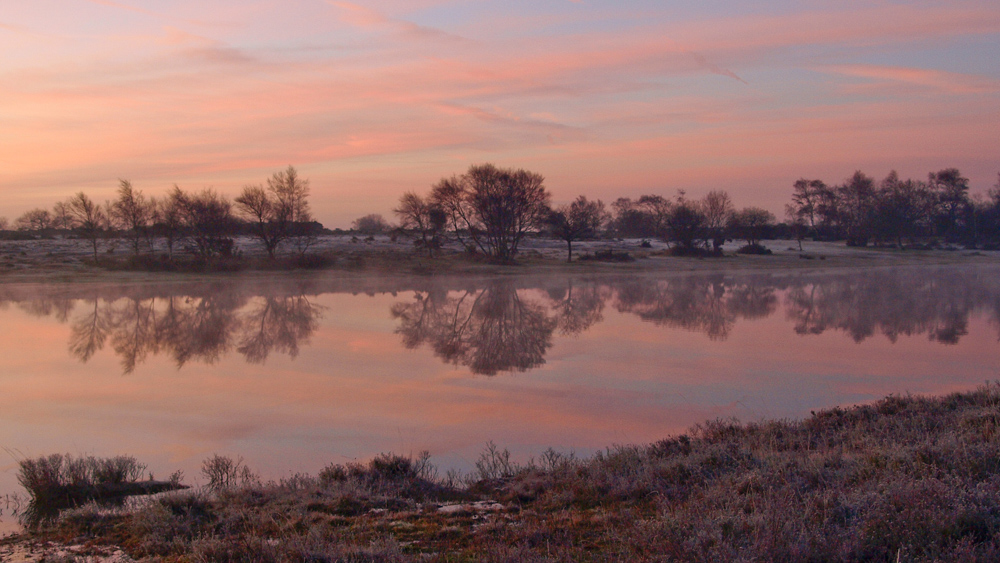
{"type": "Point", "coordinates": [367, 18]}
{"type": "Point", "coordinates": [952, 82]}
{"type": "Point", "coordinates": [644, 101]}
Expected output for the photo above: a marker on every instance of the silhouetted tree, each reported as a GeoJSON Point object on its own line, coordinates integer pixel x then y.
{"type": "Point", "coordinates": [423, 216]}
{"type": "Point", "coordinates": [901, 208]}
{"type": "Point", "coordinates": [751, 224]}
{"type": "Point", "coordinates": [134, 213]}
{"type": "Point", "coordinates": [34, 220]}
{"type": "Point", "coordinates": [685, 223]}
{"type": "Point", "coordinates": [88, 218]}
{"type": "Point", "coordinates": [495, 207]}
{"type": "Point", "coordinates": [629, 219]}
{"type": "Point", "coordinates": [579, 220]}
{"type": "Point", "coordinates": [275, 211]}
{"type": "Point", "coordinates": [170, 218]}
{"type": "Point", "coordinates": [209, 219]}
{"type": "Point", "coordinates": [62, 217]}
{"type": "Point", "coordinates": [828, 209]}
{"type": "Point", "coordinates": [718, 208]}
{"type": "Point", "coordinates": [857, 198]}
{"type": "Point", "coordinates": [952, 193]}
{"type": "Point", "coordinates": [806, 200]}
{"type": "Point", "coordinates": [372, 224]}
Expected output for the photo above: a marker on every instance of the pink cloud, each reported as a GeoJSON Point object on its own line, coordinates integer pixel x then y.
{"type": "Point", "coordinates": [951, 82]}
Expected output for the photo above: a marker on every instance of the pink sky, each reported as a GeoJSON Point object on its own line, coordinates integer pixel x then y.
{"type": "Point", "coordinates": [606, 99]}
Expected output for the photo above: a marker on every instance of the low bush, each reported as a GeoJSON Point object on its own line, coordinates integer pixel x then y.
{"type": "Point", "coordinates": [757, 249]}
{"type": "Point", "coordinates": [607, 256]}
{"type": "Point", "coordinates": [57, 482]}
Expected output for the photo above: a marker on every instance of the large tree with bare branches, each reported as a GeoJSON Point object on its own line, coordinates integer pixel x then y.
{"type": "Point", "coordinates": [494, 207]}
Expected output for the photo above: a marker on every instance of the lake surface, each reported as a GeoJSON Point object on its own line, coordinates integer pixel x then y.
{"type": "Point", "coordinates": [293, 375]}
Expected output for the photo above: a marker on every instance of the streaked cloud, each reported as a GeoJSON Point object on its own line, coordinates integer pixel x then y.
{"type": "Point", "coordinates": [951, 82]}
{"type": "Point", "coordinates": [597, 97]}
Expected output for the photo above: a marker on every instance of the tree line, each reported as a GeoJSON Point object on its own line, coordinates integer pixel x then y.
{"type": "Point", "coordinates": [864, 211]}
{"type": "Point", "coordinates": [490, 210]}
{"type": "Point", "coordinates": [203, 223]}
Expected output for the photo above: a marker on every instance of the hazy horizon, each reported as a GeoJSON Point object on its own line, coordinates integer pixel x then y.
{"type": "Point", "coordinates": [607, 99]}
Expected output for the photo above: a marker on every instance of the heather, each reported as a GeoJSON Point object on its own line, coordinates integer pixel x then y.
{"type": "Point", "coordinates": [905, 478]}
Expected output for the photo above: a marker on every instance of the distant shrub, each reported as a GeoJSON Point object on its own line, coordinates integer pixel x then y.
{"type": "Point", "coordinates": [225, 473]}
{"type": "Point", "coordinates": [608, 255]}
{"type": "Point", "coordinates": [695, 252]}
{"type": "Point", "coordinates": [758, 249]}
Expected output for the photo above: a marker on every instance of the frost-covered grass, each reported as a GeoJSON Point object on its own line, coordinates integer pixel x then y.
{"type": "Point", "coordinates": [905, 478]}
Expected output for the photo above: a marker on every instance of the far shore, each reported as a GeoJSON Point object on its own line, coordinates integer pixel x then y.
{"type": "Point", "coordinates": [345, 256]}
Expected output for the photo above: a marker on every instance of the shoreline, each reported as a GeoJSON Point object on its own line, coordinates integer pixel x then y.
{"type": "Point", "coordinates": [66, 261]}
{"type": "Point", "coordinates": [909, 477]}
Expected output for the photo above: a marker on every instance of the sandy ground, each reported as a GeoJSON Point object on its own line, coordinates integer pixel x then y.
{"type": "Point", "coordinates": [28, 552]}
{"type": "Point", "coordinates": [66, 259]}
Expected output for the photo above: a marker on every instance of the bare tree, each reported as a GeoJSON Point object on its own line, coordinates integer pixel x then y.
{"type": "Point", "coordinates": [424, 217]}
{"type": "Point", "coordinates": [62, 218]}
{"type": "Point", "coordinates": [750, 224]}
{"type": "Point", "coordinates": [209, 218]}
{"type": "Point", "coordinates": [4, 223]}
{"type": "Point", "coordinates": [857, 198]}
{"type": "Point", "coordinates": [89, 218]}
{"type": "Point", "coordinates": [796, 223]}
{"type": "Point", "coordinates": [805, 199]}
{"type": "Point", "coordinates": [34, 220]}
{"type": "Point", "coordinates": [579, 220]}
{"type": "Point", "coordinates": [495, 207]}
{"type": "Point", "coordinates": [134, 213]}
{"type": "Point", "coordinates": [278, 211]}
{"type": "Point", "coordinates": [170, 218]}
{"type": "Point", "coordinates": [657, 209]}
{"type": "Point", "coordinates": [717, 208]}
{"type": "Point", "coordinates": [685, 223]}
{"type": "Point", "coordinates": [901, 208]}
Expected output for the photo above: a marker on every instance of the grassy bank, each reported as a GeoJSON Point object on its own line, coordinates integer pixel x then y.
{"type": "Point", "coordinates": [905, 478]}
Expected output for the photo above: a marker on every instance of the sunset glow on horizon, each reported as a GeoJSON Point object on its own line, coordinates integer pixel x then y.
{"type": "Point", "coordinates": [608, 99]}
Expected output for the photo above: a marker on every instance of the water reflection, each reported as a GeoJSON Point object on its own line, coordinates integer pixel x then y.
{"type": "Point", "coordinates": [490, 330]}
{"type": "Point", "coordinates": [186, 328]}
{"type": "Point", "coordinates": [894, 305]}
{"type": "Point", "coordinates": [509, 325]}
{"type": "Point", "coordinates": [890, 302]}
{"type": "Point", "coordinates": [711, 305]}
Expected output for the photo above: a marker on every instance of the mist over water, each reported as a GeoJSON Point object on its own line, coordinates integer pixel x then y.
{"type": "Point", "coordinates": [302, 372]}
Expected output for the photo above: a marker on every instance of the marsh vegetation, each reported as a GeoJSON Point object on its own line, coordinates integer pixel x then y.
{"type": "Point", "coordinates": [905, 478]}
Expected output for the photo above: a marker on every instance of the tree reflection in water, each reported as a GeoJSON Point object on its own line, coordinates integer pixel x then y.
{"type": "Point", "coordinates": [490, 330]}
{"type": "Point", "coordinates": [460, 329]}
{"type": "Point", "coordinates": [892, 303]}
{"type": "Point", "coordinates": [711, 305]}
{"type": "Point", "coordinates": [194, 328]}
{"type": "Point", "coordinates": [504, 327]}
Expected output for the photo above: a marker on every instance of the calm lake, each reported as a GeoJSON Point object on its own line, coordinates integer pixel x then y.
{"type": "Point", "coordinates": [295, 374]}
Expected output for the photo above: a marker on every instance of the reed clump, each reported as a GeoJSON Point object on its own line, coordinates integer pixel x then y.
{"type": "Point", "coordinates": [905, 478]}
